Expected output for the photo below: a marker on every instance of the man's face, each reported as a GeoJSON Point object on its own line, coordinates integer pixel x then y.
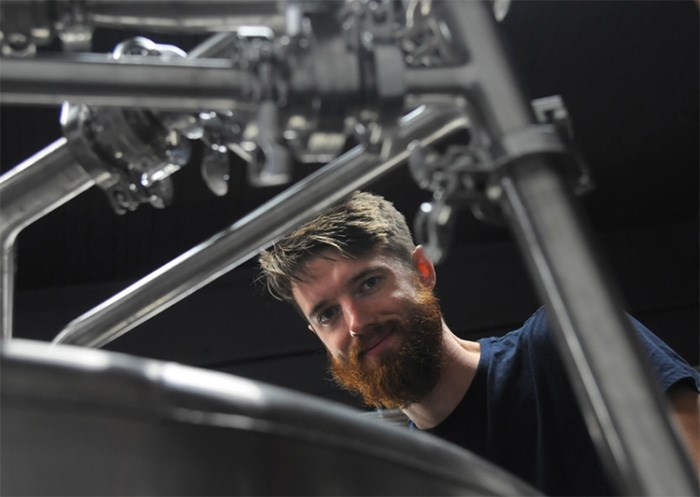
{"type": "Point", "coordinates": [379, 322]}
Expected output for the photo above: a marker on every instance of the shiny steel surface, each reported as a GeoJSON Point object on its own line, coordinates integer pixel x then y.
{"type": "Point", "coordinates": [207, 15]}
{"type": "Point", "coordinates": [596, 340]}
{"type": "Point", "coordinates": [37, 186]}
{"type": "Point", "coordinates": [607, 369]}
{"type": "Point", "coordinates": [136, 81]}
{"type": "Point", "coordinates": [256, 231]}
{"type": "Point", "coordinates": [86, 422]}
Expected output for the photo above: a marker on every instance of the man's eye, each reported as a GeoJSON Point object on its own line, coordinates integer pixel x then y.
{"type": "Point", "coordinates": [326, 315]}
{"type": "Point", "coordinates": [370, 283]}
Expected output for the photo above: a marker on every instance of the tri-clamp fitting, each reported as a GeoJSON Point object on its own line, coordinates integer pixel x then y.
{"type": "Point", "coordinates": [468, 175]}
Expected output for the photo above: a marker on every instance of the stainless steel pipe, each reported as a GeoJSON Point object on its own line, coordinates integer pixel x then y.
{"type": "Point", "coordinates": [256, 231]}
{"type": "Point", "coordinates": [44, 182]}
{"type": "Point", "coordinates": [620, 402]}
{"type": "Point", "coordinates": [627, 418]}
{"type": "Point", "coordinates": [187, 84]}
{"type": "Point", "coordinates": [32, 189]}
{"type": "Point", "coordinates": [186, 16]}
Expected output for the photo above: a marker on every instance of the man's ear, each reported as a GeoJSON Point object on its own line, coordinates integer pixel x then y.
{"type": "Point", "coordinates": [424, 266]}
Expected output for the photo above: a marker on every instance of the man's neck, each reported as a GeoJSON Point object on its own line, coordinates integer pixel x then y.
{"type": "Point", "coordinates": [460, 360]}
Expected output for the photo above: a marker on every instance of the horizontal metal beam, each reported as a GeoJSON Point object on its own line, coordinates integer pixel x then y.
{"type": "Point", "coordinates": [620, 399]}
{"type": "Point", "coordinates": [186, 16]}
{"type": "Point", "coordinates": [132, 81]}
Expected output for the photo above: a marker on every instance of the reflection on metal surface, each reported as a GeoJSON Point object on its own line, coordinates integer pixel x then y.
{"type": "Point", "coordinates": [178, 376]}
{"type": "Point", "coordinates": [28, 192]}
{"type": "Point", "coordinates": [136, 427]}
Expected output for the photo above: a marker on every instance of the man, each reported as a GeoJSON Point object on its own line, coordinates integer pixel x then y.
{"type": "Point", "coordinates": [366, 290]}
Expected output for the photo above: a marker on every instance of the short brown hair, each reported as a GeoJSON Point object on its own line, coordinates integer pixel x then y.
{"type": "Point", "coordinates": [359, 224]}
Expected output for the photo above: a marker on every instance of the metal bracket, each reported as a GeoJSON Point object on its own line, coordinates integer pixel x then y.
{"type": "Point", "coordinates": [467, 175]}
{"type": "Point", "coordinates": [129, 152]}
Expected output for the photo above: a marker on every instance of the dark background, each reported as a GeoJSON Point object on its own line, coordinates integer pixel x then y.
{"type": "Point", "coordinates": [628, 72]}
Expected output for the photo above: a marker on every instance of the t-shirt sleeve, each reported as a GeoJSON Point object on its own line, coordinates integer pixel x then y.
{"type": "Point", "coordinates": [669, 366]}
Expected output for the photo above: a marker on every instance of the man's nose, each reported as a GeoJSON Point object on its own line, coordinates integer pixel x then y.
{"type": "Point", "coordinates": [356, 317]}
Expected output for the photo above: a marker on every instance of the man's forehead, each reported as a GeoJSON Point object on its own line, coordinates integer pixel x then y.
{"type": "Point", "coordinates": [331, 268]}
{"type": "Point", "coordinates": [331, 257]}
{"type": "Point", "coordinates": [318, 265]}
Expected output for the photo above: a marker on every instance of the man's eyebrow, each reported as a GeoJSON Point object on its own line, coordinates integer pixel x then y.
{"type": "Point", "coordinates": [363, 274]}
{"type": "Point", "coordinates": [351, 281]}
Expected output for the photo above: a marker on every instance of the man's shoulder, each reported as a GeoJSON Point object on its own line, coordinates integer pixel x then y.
{"type": "Point", "coordinates": [522, 355]}
{"type": "Point", "coordinates": [534, 342]}
{"type": "Point", "coordinates": [533, 335]}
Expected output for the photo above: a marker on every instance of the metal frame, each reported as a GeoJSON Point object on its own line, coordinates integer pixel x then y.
{"type": "Point", "coordinates": [28, 192]}
{"type": "Point", "coordinates": [607, 371]}
{"type": "Point", "coordinates": [256, 231]}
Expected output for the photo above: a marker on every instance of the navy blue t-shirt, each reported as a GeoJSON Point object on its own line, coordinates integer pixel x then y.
{"type": "Point", "coordinates": [521, 414]}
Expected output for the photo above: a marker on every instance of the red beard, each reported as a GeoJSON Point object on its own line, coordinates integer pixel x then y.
{"type": "Point", "coordinates": [403, 376]}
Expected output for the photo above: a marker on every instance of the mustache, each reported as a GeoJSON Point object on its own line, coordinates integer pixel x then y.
{"type": "Point", "coordinates": [403, 375]}
{"type": "Point", "coordinates": [368, 338]}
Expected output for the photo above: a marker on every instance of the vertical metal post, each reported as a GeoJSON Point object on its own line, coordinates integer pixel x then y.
{"type": "Point", "coordinates": [620, 400]}
{"type": "Point", "coordinates": [32, 189]}
{"type": "Point", "coordinates": [619, 395]}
